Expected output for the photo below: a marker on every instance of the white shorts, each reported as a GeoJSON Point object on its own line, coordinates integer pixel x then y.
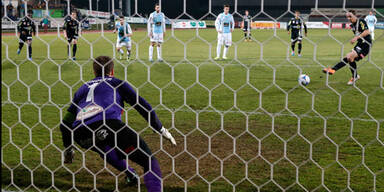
{"type": "Point", "coordinates": [157, 37]}
{"type": "Point", "coordinates": [225, 38]}
{"type": "Point", "coordinates": [371, 29]}
{"type": "Point", "coordinates": [123, 44]}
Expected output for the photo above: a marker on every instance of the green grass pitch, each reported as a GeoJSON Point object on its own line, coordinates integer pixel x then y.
{"type": "Point", "coordinates": [239, 122]}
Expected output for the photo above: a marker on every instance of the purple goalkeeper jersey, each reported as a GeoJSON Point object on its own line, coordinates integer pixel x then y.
{"type": "Point", "coordinates": [103, 99]}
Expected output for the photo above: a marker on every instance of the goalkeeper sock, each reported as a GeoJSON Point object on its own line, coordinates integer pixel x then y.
{"type": "Point", "coordinates": [353, 69]}
{"type": "Point", "coordinates": [225, 51]}
{"type": "Point", "coordinates": [30, 51]}
{"type": "Point", "coordinates": [118, 163]}
{"type": "Point", "coordinates": [218, 50]}
{"type": "Point", "coordinates": [299, 47]}
{"type": "Point", "coordinates": [152, 182]}
{"type": "Point", "coordinates": [74, 49]}
{"type": "Point", "coordinates": [341, 64]}
{"type": "Point", "coordinates": [159, 52]}
{"type": "Point", "coordinates": [150, 52]}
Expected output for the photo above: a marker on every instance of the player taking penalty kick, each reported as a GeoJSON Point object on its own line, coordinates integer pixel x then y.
{"type": "Point", "coordinates": [124, 34]}
{"type": "Point", "coordinates": [361, 49]}
{"type": "Point", "coordinates": [156, 32]}
{"type": "Point", "coordinates": [93, 121]}
{"type": "Point", "coordinates": [224, 26]}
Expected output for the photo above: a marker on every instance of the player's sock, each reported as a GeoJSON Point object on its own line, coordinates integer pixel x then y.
{"type": "Point", "coordinates": [299, 46]}
{"type": "Point", "coordinates": [121, 51]}
{"type": "Point", "coordinates": [21, 46]}
{"type": "Point", "coordinates": [118, 163]}
{"type": "Point", "coordinates": [74, 49]}
{"type": "Point", "coordinates": [68, 50]}
{"type": "Point", "coordinates": [159, 52]}
{"type": "Point", "coordinates": [225, 51]}
{"type": "Point", "coordinates": [30, 51]}
{"type": "Point", "coordinates": [341, 64]}
{"type": "Point", "coordinates": [245, 35]}
{"type": "Point", "coordinates": [150, 52]}
{"type": "Point", "coordinates": [152, 182]}
{"type": "Point", "coordinates": [353, 69]}
{"type": "Point", "coordinates": [218, 50]}
{"type": "Point", "coordinates": [128, 53]}
{"type": "Point", "coordinates": [293, 46]}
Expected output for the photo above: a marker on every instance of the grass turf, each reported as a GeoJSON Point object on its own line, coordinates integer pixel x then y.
{"type": "Point", "coordinates": [239, 123]}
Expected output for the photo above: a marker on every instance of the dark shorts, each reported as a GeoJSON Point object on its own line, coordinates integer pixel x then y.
{"type": "Point", "coordinates": [362, 50]}
{"type": "Point", "coordinates": [72, 37]}
{"type": "Point", "coordinates": [24, 38]}
{"type": "Point", "coordinates": [98, 136]}
{"type": "Point", "coordinates": [295, 36]}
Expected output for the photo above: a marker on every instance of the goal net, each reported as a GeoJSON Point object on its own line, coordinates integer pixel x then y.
{"type": "Point", "coordinates": [241, 123]}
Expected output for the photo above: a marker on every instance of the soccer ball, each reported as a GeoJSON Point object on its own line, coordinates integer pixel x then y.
{"type": "Point", "coordinates": [304, 79]}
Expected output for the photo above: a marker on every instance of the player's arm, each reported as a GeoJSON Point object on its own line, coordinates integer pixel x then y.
{"type": "Point", "coordinates": [163, 24]}
{"type": "Point", "coordinates": [149, 25]}
{"type": "Point", "coordinates": [374, 17]}
{"type": "Point", "coordinates": [19, 26]}
{"type": "Point", "coordinates": [66, 133]}
{"type": "Point", "coordinates": [129, 30]}
{"type": "Point", "coordinates": [145, 110]}
{"type": "Point", "coordinates": [33, 28]}
{"type": "Point", "coordinates": [65, 28]}
{"type": "Point", "coordinates": [217, 23]}
{"type": "Point", "coordinates": [305, 28]}
{"type": "Point", "coordinates": [242, 24]}
{"type": "Point", "coordinates": [289, 26]}
{"type": "Point", "coordinates": [233, 23]}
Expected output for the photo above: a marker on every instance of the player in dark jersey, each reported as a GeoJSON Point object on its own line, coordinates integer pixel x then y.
{"type": "Point", "coordinates": [71, 33]}
{"type": "Point", "coordinates": [361, 49]}
{"type": "Point", "coordinates": [246, 26]}
{"type": "Point", "coordinates": [26, 28]}
{"type": "Point", "coordinates": [94, 122]}
{"type": "Point", "coordinates": [296, 25]}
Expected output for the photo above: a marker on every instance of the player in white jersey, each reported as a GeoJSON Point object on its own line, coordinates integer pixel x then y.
{"type": "Point", "coordinates": [371, 21]}
{"type": "Point", "coordinates": [225, 25]}
{"type": "Point", "coordinates": [124, 34]}
{"type": "Point", "coordinates": [156, 32]}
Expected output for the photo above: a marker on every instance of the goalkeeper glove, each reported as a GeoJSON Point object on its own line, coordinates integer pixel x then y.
{"type": "Point", "coordinates": [69, 154]}
{"type": "Point", "coordinates": [167, 135]}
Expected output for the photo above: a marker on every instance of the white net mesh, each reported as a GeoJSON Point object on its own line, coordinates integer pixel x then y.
{"type": "Point", "coordinates": [241, 124]}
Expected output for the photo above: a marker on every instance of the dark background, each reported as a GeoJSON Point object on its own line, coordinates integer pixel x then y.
{"type": "Point", "coordinates": [199, 9]}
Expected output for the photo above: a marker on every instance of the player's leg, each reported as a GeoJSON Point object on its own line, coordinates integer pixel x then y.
{"type": "Point", "coordinates": [150, 52]}
{"type": "Point", "coordinates": [69, 46]}
{"type": "Point", "coordinates": [29, 42]}
{"type": "Point", "coordinates": [293, 43]}
{"type": "Point", "coordinates": [218, 47]}
{"type": "Point", "coordinates": [128, 46]}
{"type": "Point", "coordinates": [352, 57]}
{"type": "Point", "coordinates": [249, 34]}
{"type": "Point", "coordinates": [227, 43]}
{"type": "Point", "coordinates": [299, 46]}
{"type": "Point", "coordinates": [159, 47]}
{"type": "Point", "coordinates": [22, 40]}
{"type": "Point", "coordinates": [372, 30]}
{"type": "Point", "coordinates": [138, 151]}
{"type": "Point", "coordinates": [245, 34]}
{"type": "Point", "coordinates": [74, 48]}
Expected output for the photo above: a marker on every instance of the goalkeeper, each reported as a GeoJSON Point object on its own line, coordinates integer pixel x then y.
{"type": "Point", "coordinates": [94, 122]}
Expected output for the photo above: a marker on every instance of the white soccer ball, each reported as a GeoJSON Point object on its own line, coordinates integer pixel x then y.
{"type": "Point", "coordinates": [304, 79]}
